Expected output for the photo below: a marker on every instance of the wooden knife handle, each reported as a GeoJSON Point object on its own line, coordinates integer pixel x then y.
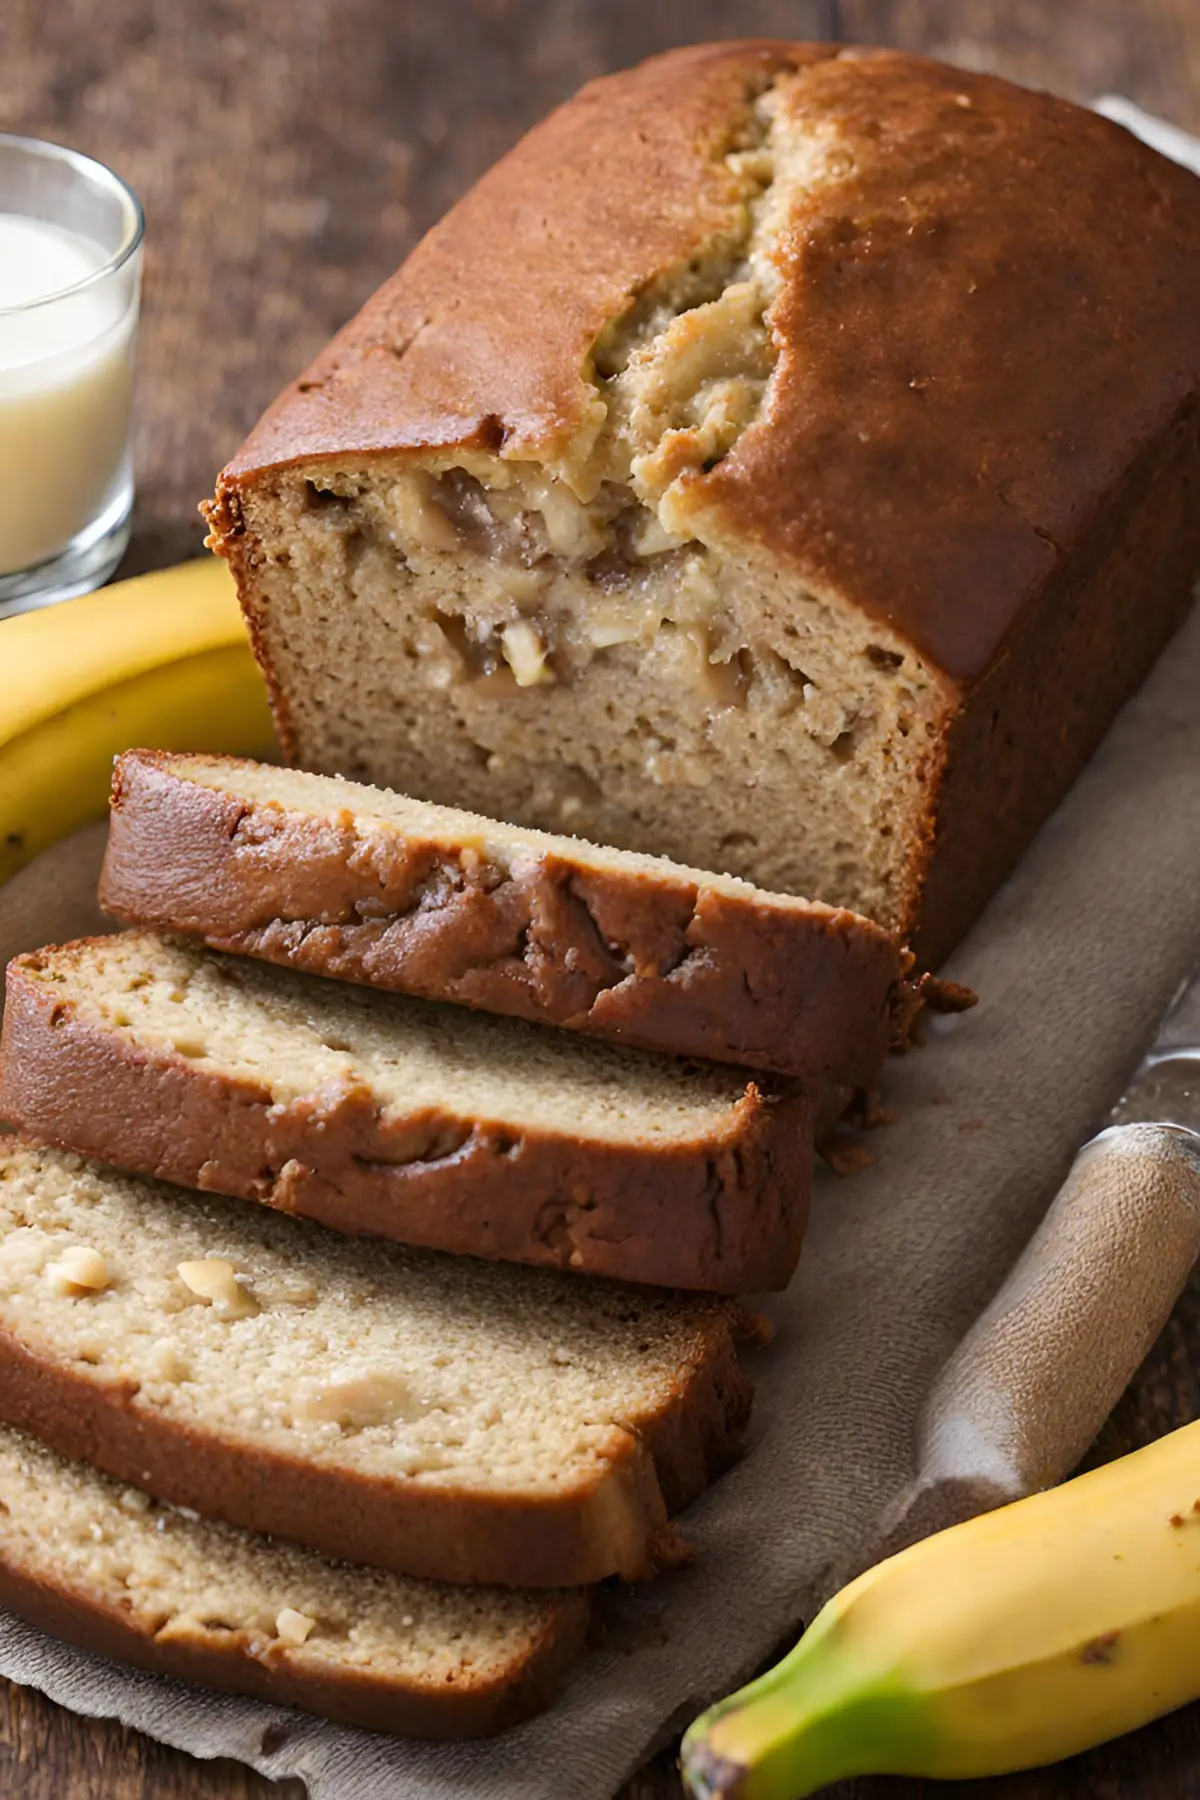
{"type": "Point", "coordinates": [1038, 1373]}
{"type": "Point", "coordinates": [1035, 1377]}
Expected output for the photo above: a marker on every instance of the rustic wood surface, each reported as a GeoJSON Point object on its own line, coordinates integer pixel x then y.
{"type": "Point", "coordinates": [288, 154]}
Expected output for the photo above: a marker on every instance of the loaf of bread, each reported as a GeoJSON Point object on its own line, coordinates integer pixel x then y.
{"type": "Point", "coordinates": [784, 460]}
{"type": "Point", "coordinates": [373, 887]}
{"type": "Point", "coordinates": [430, 1415]}
{"type": "Point", "coordinates": [104, 1566]}
{"type": "Point", "coordinates": [423, 1123]}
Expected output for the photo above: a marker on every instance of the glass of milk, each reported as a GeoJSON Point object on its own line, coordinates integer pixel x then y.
{"type": "Point", "coordinates": [70, 278]}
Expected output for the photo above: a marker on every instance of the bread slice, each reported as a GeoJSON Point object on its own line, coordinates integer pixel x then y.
{"type": "Point", "coordinates": [785, 459]}
{"type": "Point", "coordinates": [427, 1124]}
{"type": "Point", "coordinates": [432, 1415]}
{"type": "Point", "coordinates": [372, 887]}
{"type": "Point", "coordinates": [106, 1567]}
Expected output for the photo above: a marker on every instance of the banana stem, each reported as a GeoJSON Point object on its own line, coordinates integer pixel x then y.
{"type": "Point", "coordinates": [781, 1737]}
{"type": "Point", "coordinates": [821, 1715]}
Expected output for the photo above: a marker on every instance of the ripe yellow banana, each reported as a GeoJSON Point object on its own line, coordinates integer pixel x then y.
{"type": "Point", "coordinates": [161, 662]}
{"type": "Point", "coordinates": [1019, 1638]}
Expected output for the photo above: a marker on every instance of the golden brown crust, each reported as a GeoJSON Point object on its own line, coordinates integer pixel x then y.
{"type": "Point", "coordinates": [461, 1709]}
{"type": "Point", "coordinates": [487, 348]}
{"type": "Point", "coordinates": [696, 971]}
{"type": "Point", "coordinates": [981, 326]}
{"type": "Point", "coordinates": [1001, 304]}
{"type": "Point", "coordinates": [725, 1214]}
{"type": "Point", "coordinates": [1072, 660]}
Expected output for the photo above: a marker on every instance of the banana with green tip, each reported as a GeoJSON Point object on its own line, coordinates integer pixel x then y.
{"type": "Point", "coordinates": [1016, 1639]}
{"type": "Point", "coordinates": [160, 662]}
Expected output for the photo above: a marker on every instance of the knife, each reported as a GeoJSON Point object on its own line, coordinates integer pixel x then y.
{"type": "Point", "coordinates": [1032, 1382]}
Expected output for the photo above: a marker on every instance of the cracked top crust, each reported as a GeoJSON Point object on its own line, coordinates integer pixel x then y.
{"type": "Point", "coordinates": [980, 304]}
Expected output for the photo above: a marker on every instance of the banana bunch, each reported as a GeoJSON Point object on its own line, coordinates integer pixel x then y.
{"type": "Point", "coordinates": [161, 661]}
{"type": "Point", "coordinates": [1019, 1638]}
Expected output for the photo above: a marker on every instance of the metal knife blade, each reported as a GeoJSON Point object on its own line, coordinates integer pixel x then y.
{"type": "Point", "coordinates": [1165, 1087]}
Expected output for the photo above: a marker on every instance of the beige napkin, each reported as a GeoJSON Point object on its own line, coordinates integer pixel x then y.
{"type": "Point", "coordinates": [1076, 962]}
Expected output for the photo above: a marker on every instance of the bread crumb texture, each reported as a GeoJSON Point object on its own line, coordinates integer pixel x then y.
{"type": "Point", "coordinates": [437, 1066]}
{"type": "Point", "coordinates": [175, 1578]}
{"type": "Point", "coordinates": [357, 1356]}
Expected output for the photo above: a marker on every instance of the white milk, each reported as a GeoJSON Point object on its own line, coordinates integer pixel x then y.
{"type": "Point", "coordinates": [66, 387]}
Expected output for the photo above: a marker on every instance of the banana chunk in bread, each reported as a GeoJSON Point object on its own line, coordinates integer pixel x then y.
{"type": "Point", "coordinates": [432, 1415]}
{"type": "Point", "coordinates": [373, 887]}
{"type": "Point", "coordinates": [104, 1566]}
{"type": "Point", "coordinates": [784, 460]}
{"type": "Point", "coordinates": [403, 1118]}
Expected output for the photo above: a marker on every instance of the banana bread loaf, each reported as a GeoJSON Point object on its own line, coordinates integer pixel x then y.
{"type": "Point", "coordinates": [372, 887]}
{"type": "Point", "coordinates": [409, 1120]}
{"type": "Point", "coordinates": [104, 1566]}
{"type": "Point", "coordinates": [784, 460]}
{"type": "Point", "coordinates": [435, 1416]}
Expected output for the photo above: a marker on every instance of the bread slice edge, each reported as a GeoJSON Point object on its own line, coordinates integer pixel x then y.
{"type": "Point", "coordinates": [724, 1214]}
{"type": "Point", "coordinates": [662, 962]}
{"type": "Point", "coordinates": [79, 1612]}
{"type": "Point", "coordinates": [612, 1520]}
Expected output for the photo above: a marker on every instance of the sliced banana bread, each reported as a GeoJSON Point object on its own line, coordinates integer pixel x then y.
{"type": "Point", "coordinates": [405, 1119]}
{"type": "Point", "coordinates": [373, 887]}
{"type": "Point", "coordinates": [432, 1415]}
{"type": "Point", "coordinates": [106, 1567]}
{"type": "Point", "coordinates": [785, 459]}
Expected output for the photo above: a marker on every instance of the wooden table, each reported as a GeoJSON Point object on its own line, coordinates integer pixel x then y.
{"type": "Point", "coordinates": [288, 154]}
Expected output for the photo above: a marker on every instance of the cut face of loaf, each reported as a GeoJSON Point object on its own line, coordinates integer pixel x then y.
{"type": "Point", "coordinates": [782, 461]}
{"type": "Point", "coordinates": [429, 1415]}
{"type": "Point", "coordinates": [594, 687]}
{"type": "Point", "coordinates": [372, 887]}
{"type": "Point", "coordinates": [427, 1124]}
{"type": "Point", "coordinates": [104, 1566]}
